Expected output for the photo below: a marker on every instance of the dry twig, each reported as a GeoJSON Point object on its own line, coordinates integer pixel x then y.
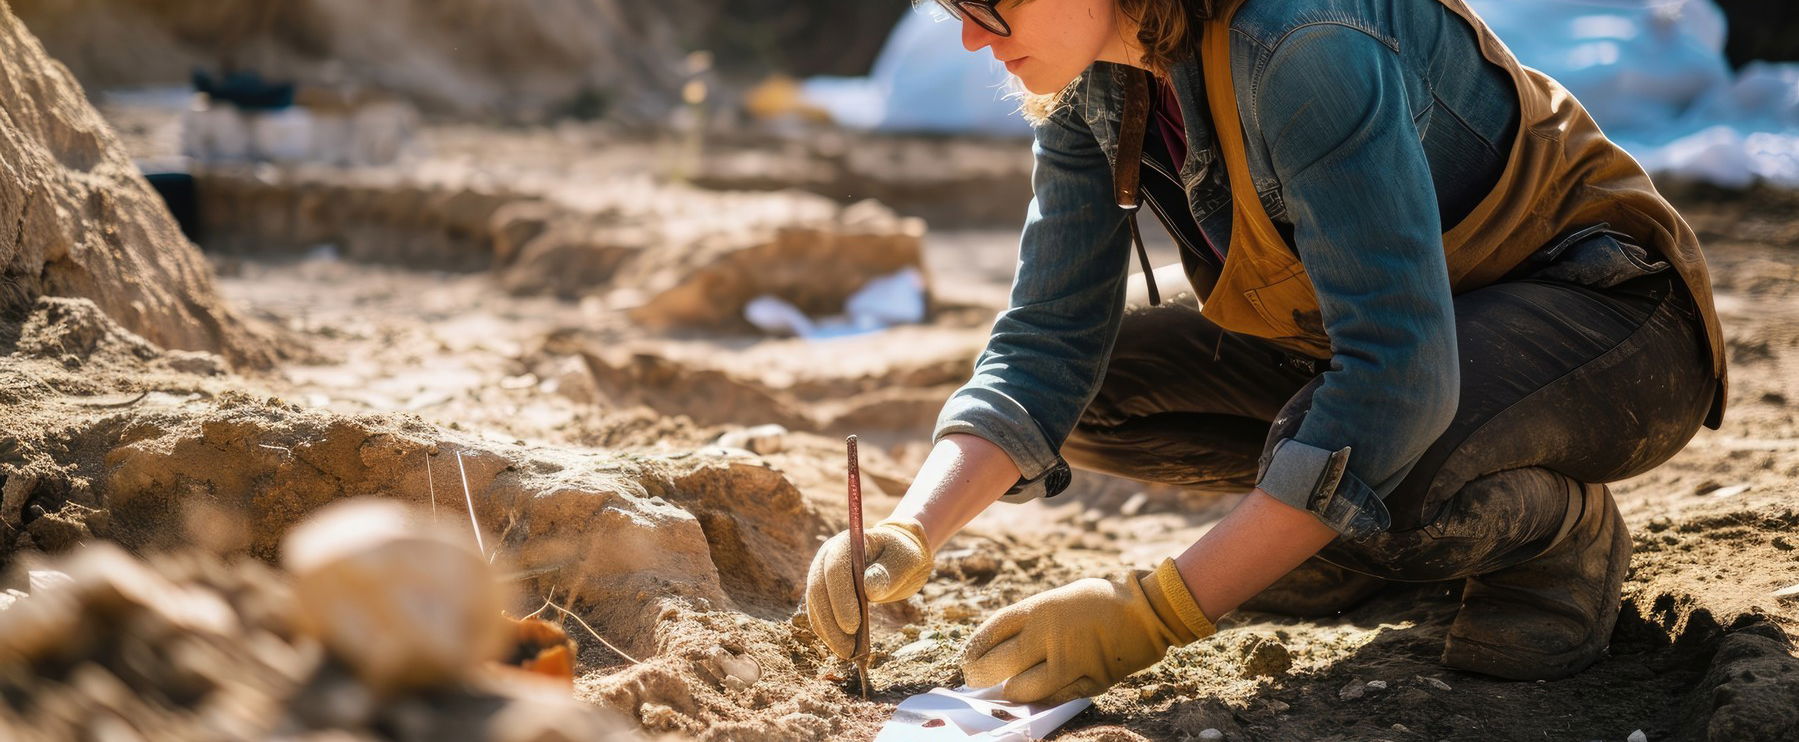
{"type": "Point", "coordinates": [470, 499]}
{"type": "Point", "coordinates": [595, 634]}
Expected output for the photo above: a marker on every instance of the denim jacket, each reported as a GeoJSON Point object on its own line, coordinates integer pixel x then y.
{"type": "Point", "coordinates": [1370, 125]}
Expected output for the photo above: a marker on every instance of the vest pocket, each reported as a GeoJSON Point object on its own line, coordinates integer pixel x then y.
{"type": "Point", "coordinates": [1289, 307]}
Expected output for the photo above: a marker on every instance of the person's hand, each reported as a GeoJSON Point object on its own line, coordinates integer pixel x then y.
{"type": "Point", "coordinates": [1079, 639]}
{"type": "Point", "coordinates": [898, 563]}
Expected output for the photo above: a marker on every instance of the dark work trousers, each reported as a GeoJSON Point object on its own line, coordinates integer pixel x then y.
{"type": "Point", "coordinates": [1560, 384]}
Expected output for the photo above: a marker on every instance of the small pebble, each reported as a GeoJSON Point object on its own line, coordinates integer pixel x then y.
{"type": "Point", "coordinates": [1435, 683]}
{"type": "Point", "coordinates": [1637, 736]}
{"type": "Point", "coordinates": [914, 649]}
{"type": "Point", "coordinates": [1211, 735]}
{"type": "Point", "coordinates": [1356, 689]}
{"type": "Point", "coordinates": [1790, 592]}
{"type": "Point", "coordinates": [761, 439]}
{"type": "Point", "coordinates": [1376, 686]}
{"type": "Point", "coordinates": [1131, 507]}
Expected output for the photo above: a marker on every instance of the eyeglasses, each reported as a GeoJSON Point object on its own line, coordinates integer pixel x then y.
{"type": "Point", "coordinates": [982, 12]}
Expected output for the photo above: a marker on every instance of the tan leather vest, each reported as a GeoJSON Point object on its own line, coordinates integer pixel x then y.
{"type": "Point", "coordinates": [1562, 174]}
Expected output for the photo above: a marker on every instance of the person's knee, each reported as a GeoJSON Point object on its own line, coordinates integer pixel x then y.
{"type": "Point", "coordinates": [1483, 525]}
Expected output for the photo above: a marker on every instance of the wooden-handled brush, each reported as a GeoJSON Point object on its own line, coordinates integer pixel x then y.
{"type": "Point", "coordinates": [858, 562]}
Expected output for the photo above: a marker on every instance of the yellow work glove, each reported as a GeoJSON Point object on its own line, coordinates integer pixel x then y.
{"type": "Point", "coordinates": [1079, 639]}
{"type": "Point", "coordinates": [898, 563]}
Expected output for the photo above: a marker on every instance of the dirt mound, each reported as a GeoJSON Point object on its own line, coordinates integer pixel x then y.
{"type": "Point", "coordinates": [367, 215]}
{"type": "Point", "coordinates": [668, 255]}
{"type": "Point", "coordinates": [691, 560]}
{"type": "Point", "coordinates": [491, 58]}
{"type": "Point", "coordinates": [82, 222]}
{"type": "Point", "coordinates": [956, 182]}
{"type": "Point", "coordinates": [894, 381]}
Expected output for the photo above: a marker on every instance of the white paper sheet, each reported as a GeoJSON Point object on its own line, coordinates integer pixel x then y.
{"type": "Point", "coordinates": [968, 714]}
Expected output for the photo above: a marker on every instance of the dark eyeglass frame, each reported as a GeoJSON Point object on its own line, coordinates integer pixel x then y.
{"type": "Point", "coordinates": [985, 13]}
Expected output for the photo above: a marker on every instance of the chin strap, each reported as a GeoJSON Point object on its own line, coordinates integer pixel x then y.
{"type": "Point", "coordinates": [1126, 172]}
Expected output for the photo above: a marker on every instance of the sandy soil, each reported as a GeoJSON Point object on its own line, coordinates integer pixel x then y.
{"type": "Point", "coordinates": [1701, 651]}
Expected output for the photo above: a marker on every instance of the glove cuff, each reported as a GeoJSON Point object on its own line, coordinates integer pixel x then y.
{"type": "Point", "coordinates": [1174, 604]}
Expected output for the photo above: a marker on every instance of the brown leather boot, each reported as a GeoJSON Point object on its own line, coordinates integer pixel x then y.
{"type": "Point", "coordinates": [1314, 589]}
{"type": "Point", "coordinates": [1550, 616]}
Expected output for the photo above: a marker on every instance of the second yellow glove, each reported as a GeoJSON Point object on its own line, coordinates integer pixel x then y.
{"type": "Point", "coordinates": [1079, 639]}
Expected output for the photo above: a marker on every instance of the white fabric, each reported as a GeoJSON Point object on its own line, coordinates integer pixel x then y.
{"type": "Point", "coordinates": [923, 80]}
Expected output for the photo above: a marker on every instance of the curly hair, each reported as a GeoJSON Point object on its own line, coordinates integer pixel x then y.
{"type": "Point", "coordinates": [1167, 31]}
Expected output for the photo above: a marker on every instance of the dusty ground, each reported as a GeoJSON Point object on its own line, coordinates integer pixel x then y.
{"type": "Point", "coordinates": [1715, 528]}
{"type": "Point", "coordinates": [1701, 652]}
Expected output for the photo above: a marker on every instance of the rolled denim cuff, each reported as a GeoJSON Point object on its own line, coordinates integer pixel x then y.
{"type": "Point", "coordinates": [1002, 421]}
{"type": "Point", "coordinates": [1318, 481]}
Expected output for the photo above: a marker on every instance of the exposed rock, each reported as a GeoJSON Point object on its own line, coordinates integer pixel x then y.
{"type": "Point", "coordinates": [1266, 657]}
{"type": "Point", "coordinates": [726, 668]}
{"type": "Point", "coordinates": [1751, 690]}
{"type": "Point", "coordinates": [82, 222]}
{"type": "Point", "coordinates": [405, 603]}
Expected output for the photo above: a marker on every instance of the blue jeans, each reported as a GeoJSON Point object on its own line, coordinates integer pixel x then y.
{"type": "Point", "coordinates": [1563, 383]}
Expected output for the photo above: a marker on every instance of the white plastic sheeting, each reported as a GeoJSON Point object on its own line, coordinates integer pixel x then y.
{"type": "Point", "coordinates": [1651, 71]}
{"type": "Point", "coordinates": [1653, 74]}
{"type": "Point", "coordinates": [897, 298]}
{"type": "Point", "coordinates": [969, 714]}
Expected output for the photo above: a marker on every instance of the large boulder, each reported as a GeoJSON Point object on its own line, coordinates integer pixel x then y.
{"type": "Point", "coordinates": [80, 221]}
